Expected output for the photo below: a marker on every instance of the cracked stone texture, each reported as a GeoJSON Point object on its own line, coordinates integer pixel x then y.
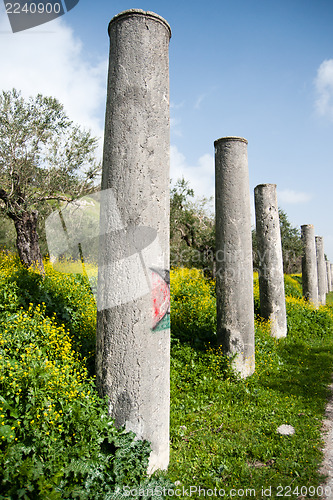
{"type": "Point", "coordinates": [132, 361]}
{"type": "Point", "coordinates": [309, 265]}
{"type": "Point", "coordinates": [234, 268]}
{"type": "Point", "coordinates": [271, 279]}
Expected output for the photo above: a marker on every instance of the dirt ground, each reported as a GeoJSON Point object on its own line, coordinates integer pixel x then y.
{"type": "Point", "coordinates": [327, 467]}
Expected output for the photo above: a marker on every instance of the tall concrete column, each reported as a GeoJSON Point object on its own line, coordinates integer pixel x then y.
{"type": "Point", "coordinates": [309, 264]}
{"type": "Point", "coordinates": [328, 276]}
{"type": "Point", "coordinates": [271, 278]}
{"type": "Point", "coordinates": [321, 270]}
{"type": "Point", "coordinates": [234, 270]}
{"type": "Point", "coordinates": [133, 332]}
{"type": "Point", "coordinates": [331, 283]}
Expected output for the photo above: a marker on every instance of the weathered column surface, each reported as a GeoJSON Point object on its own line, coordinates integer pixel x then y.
{"type": "Point", "coordinates": [234, 270]}
{"type": "Point", "coordinates": [321, 270]}
{"type": "Point", "coordinates": [271, 278]}
{"type": "Point", "coordinates": [328, 276]}
{"type": "Point", "coordinates": [309, 264]}
{"type": "Point", "coordinates": [133, 333]}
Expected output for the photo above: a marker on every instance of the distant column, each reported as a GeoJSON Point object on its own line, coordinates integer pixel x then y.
{"type": "Point", "coordinates": [321, 270]}
{"type": "Point", "coordinates": [133, 333]}
{"type": "Point", "coordinates": [309, 264]}
{"type": "Point", "coordinates": [328, 276]}
{"type": "Point", "coordinates": [234, 271]}
{"type": "Point", "coordinates": [271, 278]}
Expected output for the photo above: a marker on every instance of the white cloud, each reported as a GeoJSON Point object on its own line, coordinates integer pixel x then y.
{"type": "Point", "coordinates": [324, 88]}
{"type": "Point", "coordinates": [199, 100]}
{"type": "Point", "coordinates": [201, 176]}
{"type": "Point", "coordinates": [53, 63]}
{"type": "Point", "coordinates": [174, 121]}
{"type": "Point", "coordinates": [175, 127]}
{"type": "Point", "coordinates": [173, 105]}
{"type": "Point", "coordinates": [293, 197]}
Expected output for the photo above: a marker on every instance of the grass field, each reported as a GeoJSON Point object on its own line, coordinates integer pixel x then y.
{"type": "Point", "coordinates": [224, 430]}
{"type": "Point", "coordinates": [56, 440]}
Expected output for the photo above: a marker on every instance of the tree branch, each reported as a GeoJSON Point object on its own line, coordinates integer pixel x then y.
{"type": "Point", "coordinates": [184, 237]}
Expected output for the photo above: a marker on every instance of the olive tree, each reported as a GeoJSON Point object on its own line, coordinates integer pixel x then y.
{"type": "Point", "coordinates": [192, 229]}
{"type": "Point", "coordinates": [44, 160]}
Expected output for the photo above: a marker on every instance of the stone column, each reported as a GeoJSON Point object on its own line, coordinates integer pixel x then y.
{"type": "Point", "coordinates": [331, 283]}
{"type": "Point", "coordinates": [234, 270]}
{"type": "Point", "coordinates": [271, 278]}
{"type": "Point", "coordinates": [321, 270]}
{"type": "Point", "coordinates": [328, 276]}
{"type": "Point", "coordinates": [133, 332]}
{"type": "Point", "coordinates": [309, 264]}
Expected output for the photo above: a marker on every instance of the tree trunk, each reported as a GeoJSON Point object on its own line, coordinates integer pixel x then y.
{"type": "Point", "coordinates": [27, 240]}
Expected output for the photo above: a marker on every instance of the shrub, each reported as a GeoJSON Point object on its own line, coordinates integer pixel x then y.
{"type": "Point", "coordinates": [292, 286]}
{"type": "Point", "coordinates": [56, 439]}
{"type": "Point", "coordinates": [304, 319]}
{"type": "Point", "coordinates": [66, 297]}
{"type": "Point", "coordinates": [193, 306]}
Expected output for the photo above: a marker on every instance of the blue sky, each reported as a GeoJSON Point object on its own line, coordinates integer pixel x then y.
{"type": "Point", "coordinates": [260, 69]}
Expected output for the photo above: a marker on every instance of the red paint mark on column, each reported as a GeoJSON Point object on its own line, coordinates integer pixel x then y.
{"type": "Point", "coordinates": [160, 296]}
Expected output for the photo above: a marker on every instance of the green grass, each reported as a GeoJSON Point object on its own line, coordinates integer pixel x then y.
{"type": "Point", "coordinates": [329, 298]}
{"type": "Point", "coordinates": [224, 430]}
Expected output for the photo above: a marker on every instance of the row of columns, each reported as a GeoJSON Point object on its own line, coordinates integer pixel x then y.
{"type": "Point", "coordinates": [133, 334]}
{"type": "Point", "coordinates": [234, 277]}
{"type": "Point", "coordinates": [234, 268]}
{"type": "Point", "coordinates": [329, 271]}
{"type": "Point", "coordinates": [316, 271]}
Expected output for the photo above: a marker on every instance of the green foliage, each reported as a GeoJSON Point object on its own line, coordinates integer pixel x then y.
{"type": "Point", "coordinates": [44, 159]}
{"type": "Point", "coordinates": [329, 298]}
{"type": "Point", "coordinates": [224, 429]}
{"type": "Point", "coordinates": [297, 277]}
{"type": "Point", "coordinates": [291, 244]}
{"type": "Point", "coordinates": [192, 234]}
{"type": "Point", "coordinates": [256, 296]}
{"type": "Point", "coordinates": [56, 439]}
{"type": "Point", "coordinates": [292, 286]}
{"type": "Point", "coordinates": [193, 306]}
{"type": "Point", "coordinates": [67, 296]}
{"type": "Point", "coordinates": [192, 230]}
{"type": "Point", "coordinates": [42, 154]}
{"type": "Point", "coordinates": [302, 316]}
{"type": "Point", "coordinates": [7, 234]}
